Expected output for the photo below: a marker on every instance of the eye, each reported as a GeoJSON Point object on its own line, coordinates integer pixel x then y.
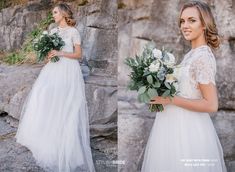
{"type": "Point", "coordinates": [192, 20]}
{"type": "Point", "coordinates": [181, 21]}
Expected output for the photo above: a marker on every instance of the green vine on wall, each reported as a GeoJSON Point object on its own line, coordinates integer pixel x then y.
{"type": "Point", "coordinates": [26, 53]}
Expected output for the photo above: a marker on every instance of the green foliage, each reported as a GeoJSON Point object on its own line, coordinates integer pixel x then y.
{"type": "Point", "coordinates": [46, 43]}
{"type": "Point", "coordinates": [150, 83]}
{"type": "Point", "coordinates": [14, 58]}
{"type": "Point", "coordinates": [19, 56]}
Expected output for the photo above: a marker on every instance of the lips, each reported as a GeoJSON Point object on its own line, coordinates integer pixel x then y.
{"type": "Point", "coordinates": [186, 32]}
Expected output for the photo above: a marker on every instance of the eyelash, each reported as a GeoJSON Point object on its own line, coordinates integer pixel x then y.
{"type": "Point", "coordinates": [191, 21]}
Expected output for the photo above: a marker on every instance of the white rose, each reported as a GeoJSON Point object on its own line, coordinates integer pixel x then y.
{"type": "Point", "coordinates": [171, 60]}
{"type": "Point", "coordinates": [157, 53]}
{"type": "Point", "coordinates": [154, 66]}
{"type": "Point", "coordinates": [170, 78]}
{"type": "Point", "coordinates": [35, 40]}
{"type": "Point", "coordinates": [45, 33]}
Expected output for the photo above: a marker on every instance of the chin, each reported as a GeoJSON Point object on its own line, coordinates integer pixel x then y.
{"type": "Point", "coordinates": [187, 38]}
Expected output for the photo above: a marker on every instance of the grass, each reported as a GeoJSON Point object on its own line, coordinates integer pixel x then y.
{"type": "Point", "coordinates": [9, 3]}
{"type": "Point", "coordinates": [26, 54]}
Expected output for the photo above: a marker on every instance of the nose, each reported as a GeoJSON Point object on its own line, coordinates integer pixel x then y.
{"type": "Point", "coordinates": [185, 25]}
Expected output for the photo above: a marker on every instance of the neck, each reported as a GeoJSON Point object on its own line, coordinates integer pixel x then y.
{"type": "Point", "coordinates": [63, 24]}
{"type": "Point", "coordinates": [198, 42]}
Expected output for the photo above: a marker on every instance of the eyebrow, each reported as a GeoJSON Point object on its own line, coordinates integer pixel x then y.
{"type": "Point", "coordinates": [188, 18]}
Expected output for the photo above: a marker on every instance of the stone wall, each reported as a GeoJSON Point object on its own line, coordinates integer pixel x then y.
{"type": "Point", "coordinates": [145, 20]}
{"type": "Point", "coordinates": [97, 24]}
{"type": "Point", "coordinates": [16, 22]}
{"type": "Point", "coordinates": [103, 40]}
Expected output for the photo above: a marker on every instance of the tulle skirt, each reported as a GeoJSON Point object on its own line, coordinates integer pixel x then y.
{"type": "Point", "coordinates": [183, 141]}
{"type": "Point", "coordinates": [54, 121]}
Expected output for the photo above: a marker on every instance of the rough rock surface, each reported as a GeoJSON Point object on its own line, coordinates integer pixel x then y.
{"type": "Point", "coordinates": [97, 24]}
{"type": "Point", "coordinates": [17, 158]}
{"type": "Point", "coordinates": [17, 21]}
{"type": "Point", "coordinates": [140, 22]}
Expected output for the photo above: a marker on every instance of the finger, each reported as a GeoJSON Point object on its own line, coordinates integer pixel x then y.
{"type": "Point", "coordinates": [155, 99]}
{"type": "Point", "coordinates": [50, 57]}
{"type": "Point", "coordinates": [53, 51]}
{"type": "Point", "coordinates": [152, 102]}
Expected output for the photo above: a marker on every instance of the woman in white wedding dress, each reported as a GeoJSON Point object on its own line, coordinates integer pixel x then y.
{"type": "Point", "coordinates": [54, 122]}
{"type": "Point", "coordinates": [183, 138]}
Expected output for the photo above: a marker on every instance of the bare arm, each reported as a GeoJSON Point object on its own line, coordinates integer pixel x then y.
{"type": "Point", "coordinates": [208, 103]}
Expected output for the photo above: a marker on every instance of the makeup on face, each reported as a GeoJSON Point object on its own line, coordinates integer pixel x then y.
{"type": "Point", "coordinates": [190, 24]}
{"type": "Point", "coordinates": [57, 15]}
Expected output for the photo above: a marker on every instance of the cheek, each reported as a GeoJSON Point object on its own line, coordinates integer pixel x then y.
{"type": "Point", "coordinates": [198, 27]}
{"type": "Point", "coordinates": [59, 15]}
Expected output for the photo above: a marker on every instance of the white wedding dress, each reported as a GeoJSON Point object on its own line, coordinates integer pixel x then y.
{"type": "Point", "coordinates": [54, 122]}
{"type": "Point", "coordinates": [182, 140]}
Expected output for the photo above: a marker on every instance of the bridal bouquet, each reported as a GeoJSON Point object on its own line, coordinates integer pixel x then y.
{"type": "Point", "coordinates": [152, 74]}
{"type": "Point", "coordinates": [45, 43]}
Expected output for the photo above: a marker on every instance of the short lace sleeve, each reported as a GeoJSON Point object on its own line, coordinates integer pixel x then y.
{"type": "Point", "coordinates": [76, 37]}
{"type": "Point", "coordinates": [204, 69]}
{"type": "Point", "coordinates": [52, 31]}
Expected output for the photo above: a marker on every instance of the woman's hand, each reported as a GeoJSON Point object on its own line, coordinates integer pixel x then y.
{"type": "Point", "coordinates": [53, 53]}
{"type": "Point", "coordinates": [160, 100]}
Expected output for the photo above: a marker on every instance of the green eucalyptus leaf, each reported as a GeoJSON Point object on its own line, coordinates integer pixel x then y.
{"type": "Point", "coordinates": [150, 79]}
{"type": "Point", "coordinates": [166, 93]}
{"type": "Point", "coordinates": [142, 90]}
{"type": "Point", "coordinates": [146, 98]}
{"type": "Point", "coordinates": [157, 84]}
{"type": "Point", "coordinates": [152, 92]}
{"type": "Point", "coordinates": [167, 85]}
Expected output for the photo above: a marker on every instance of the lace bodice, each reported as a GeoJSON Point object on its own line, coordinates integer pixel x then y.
{"type": "Point", "coordinates": [198, 66]}
{"type": "Point", "coordinates": [70, 36]}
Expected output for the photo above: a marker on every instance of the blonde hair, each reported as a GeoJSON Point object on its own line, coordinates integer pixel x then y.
{"type": "Point", "coordinates": [67, 13]}
{"type": "Point", "coordinates": [207, 19]}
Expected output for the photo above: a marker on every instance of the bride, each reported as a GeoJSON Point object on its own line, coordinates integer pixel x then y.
{"type": "Point", "coordinates": [54, 122]}
{"type": "Point", "coordinates": [183, 138]}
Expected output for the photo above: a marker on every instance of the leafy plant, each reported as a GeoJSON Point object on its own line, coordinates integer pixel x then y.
{"type": "Point", "coordinates": [26, 52]}
{"type": "Point", "coordinates": [150, 74]}
{"type": "Point", "coordinates": [46, 43]}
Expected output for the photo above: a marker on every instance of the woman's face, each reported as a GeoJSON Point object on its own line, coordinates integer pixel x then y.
{"type": "Point", "coordinates": [57, 15]}
{"type": "Point", "coordinates": [190, 24]}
